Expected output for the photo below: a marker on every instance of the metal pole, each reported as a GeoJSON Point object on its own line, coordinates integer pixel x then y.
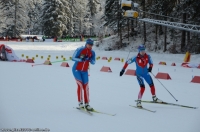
{"type": "Point", "coordinates": [164, 87]}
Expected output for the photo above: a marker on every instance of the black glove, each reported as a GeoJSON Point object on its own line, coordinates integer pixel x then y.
{"type": "Point", "coordinates": [83, 59]}
{"type": "Point", "coordinates": [149, 69]}
{"type": "Point", "coordinates": [121, 72]}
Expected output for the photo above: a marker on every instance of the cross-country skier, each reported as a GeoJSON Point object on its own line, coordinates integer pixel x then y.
{"type": "Point", "coordinates": [142, 73]}
{"type": "Point", "coordinates": [82, 57]}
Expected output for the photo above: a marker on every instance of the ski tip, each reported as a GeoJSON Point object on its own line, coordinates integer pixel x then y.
{"type": "Point", "coordinates": [195, 108]}
{"type": "Point", "coordinates": [76, 108]}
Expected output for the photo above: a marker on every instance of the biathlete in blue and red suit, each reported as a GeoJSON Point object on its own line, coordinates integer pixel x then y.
{"type": "Point", "coordinates": [142, 73]}
{"type": "Point", "coordinates": [82, 57]}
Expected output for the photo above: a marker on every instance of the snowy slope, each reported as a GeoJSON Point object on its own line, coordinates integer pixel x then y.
{"type": "Point", "coordinates": [44, 96]}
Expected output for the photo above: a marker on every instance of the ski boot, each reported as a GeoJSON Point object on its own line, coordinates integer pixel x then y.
{"type": "Point", "coordinates": [155, 99]}
{"type": "Point", "coordinates": [88, 108]}
{"type": "Point", "coordinates": [81, 105]}
{"type": "Point", "coordinates": [139, 103]}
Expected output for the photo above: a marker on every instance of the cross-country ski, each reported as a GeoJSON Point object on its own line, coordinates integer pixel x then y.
{"type": "Point", "coordinates": [94, 111]}
{"type": "Point", "coordinates": [84, 110]}
{"type": "Point", "coordinates": [166, 103]}
{"type": "Point", "coordinates": [142, 108]}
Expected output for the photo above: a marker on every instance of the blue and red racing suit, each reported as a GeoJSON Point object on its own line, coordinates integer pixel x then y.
{"type": "Point", "coordinates": [82, 57]}
{"type": "Point", "coordinates": [142, 71]}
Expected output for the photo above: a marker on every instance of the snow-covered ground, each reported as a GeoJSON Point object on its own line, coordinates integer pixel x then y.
{"type": "Point", "coordinates": [44, 96]}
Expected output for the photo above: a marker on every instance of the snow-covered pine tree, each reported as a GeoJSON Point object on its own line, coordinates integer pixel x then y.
{"type": "Point", "coordinates": [83, 20]}
{"type": "Point", "coordinates": [193, 17]}
{"type": "Point", "coordinates": [113, 14]}
{"type": "Point", "coordinates": [93, 7]}
{"type": "Point", "coordinates": [55, 16]}
{"type": "Point", "coordinates": [34, 9]}
{"type": "Point", "coordinates": [98, 20]}
{"type": "Point", "coordinates": [76, 10]}
{"type": "Point", "coordinates": [187, 12]}
{"type": "Point", "coordinates": [14, 17]}
{"type": "Point", "coordinates": [73, 23]}
{"type": "Point", "coordinates": [87, 24]}
{"type": "Point", "coordinates": [158, 10]}
{"type": "Point", "coordinates": [1, 20]}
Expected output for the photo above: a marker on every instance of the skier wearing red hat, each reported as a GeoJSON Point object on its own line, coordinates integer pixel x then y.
{"type": "Point", "coordinates": [142, 73]}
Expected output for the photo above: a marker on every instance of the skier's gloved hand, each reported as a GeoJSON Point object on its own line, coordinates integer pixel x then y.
{"type": "Point", "coordinates": [89, 59]}
{"type": "Point", "coordinates": [86, 59]}
{"type": "Point", "coordinates": [149, 69]}
{"type": "Point", "coordinates": [121, 72]}
{"type": "Point", "coordinates": [83, 59]}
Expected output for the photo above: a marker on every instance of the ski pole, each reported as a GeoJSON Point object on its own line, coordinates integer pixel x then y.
{"type": "Point", "coordinates": [165, 87]}
{"type": "Point", "coordinates": [89, 70]}
{"type": "Point", "coordinates": [128, 55]}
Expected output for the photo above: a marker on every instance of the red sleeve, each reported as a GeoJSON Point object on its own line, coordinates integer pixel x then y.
{"type": "Point", "coordinates": [125, 65]}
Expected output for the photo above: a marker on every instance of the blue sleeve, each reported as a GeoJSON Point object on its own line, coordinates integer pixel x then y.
{"type": "Point", "coordinates": [150, 60]}
{"type": "Point", "coordinates": [93, 58]}
{"type": "Point", "coordinates": [76, 54]}
{"type": "Point", "coordinates": [131, 60]}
